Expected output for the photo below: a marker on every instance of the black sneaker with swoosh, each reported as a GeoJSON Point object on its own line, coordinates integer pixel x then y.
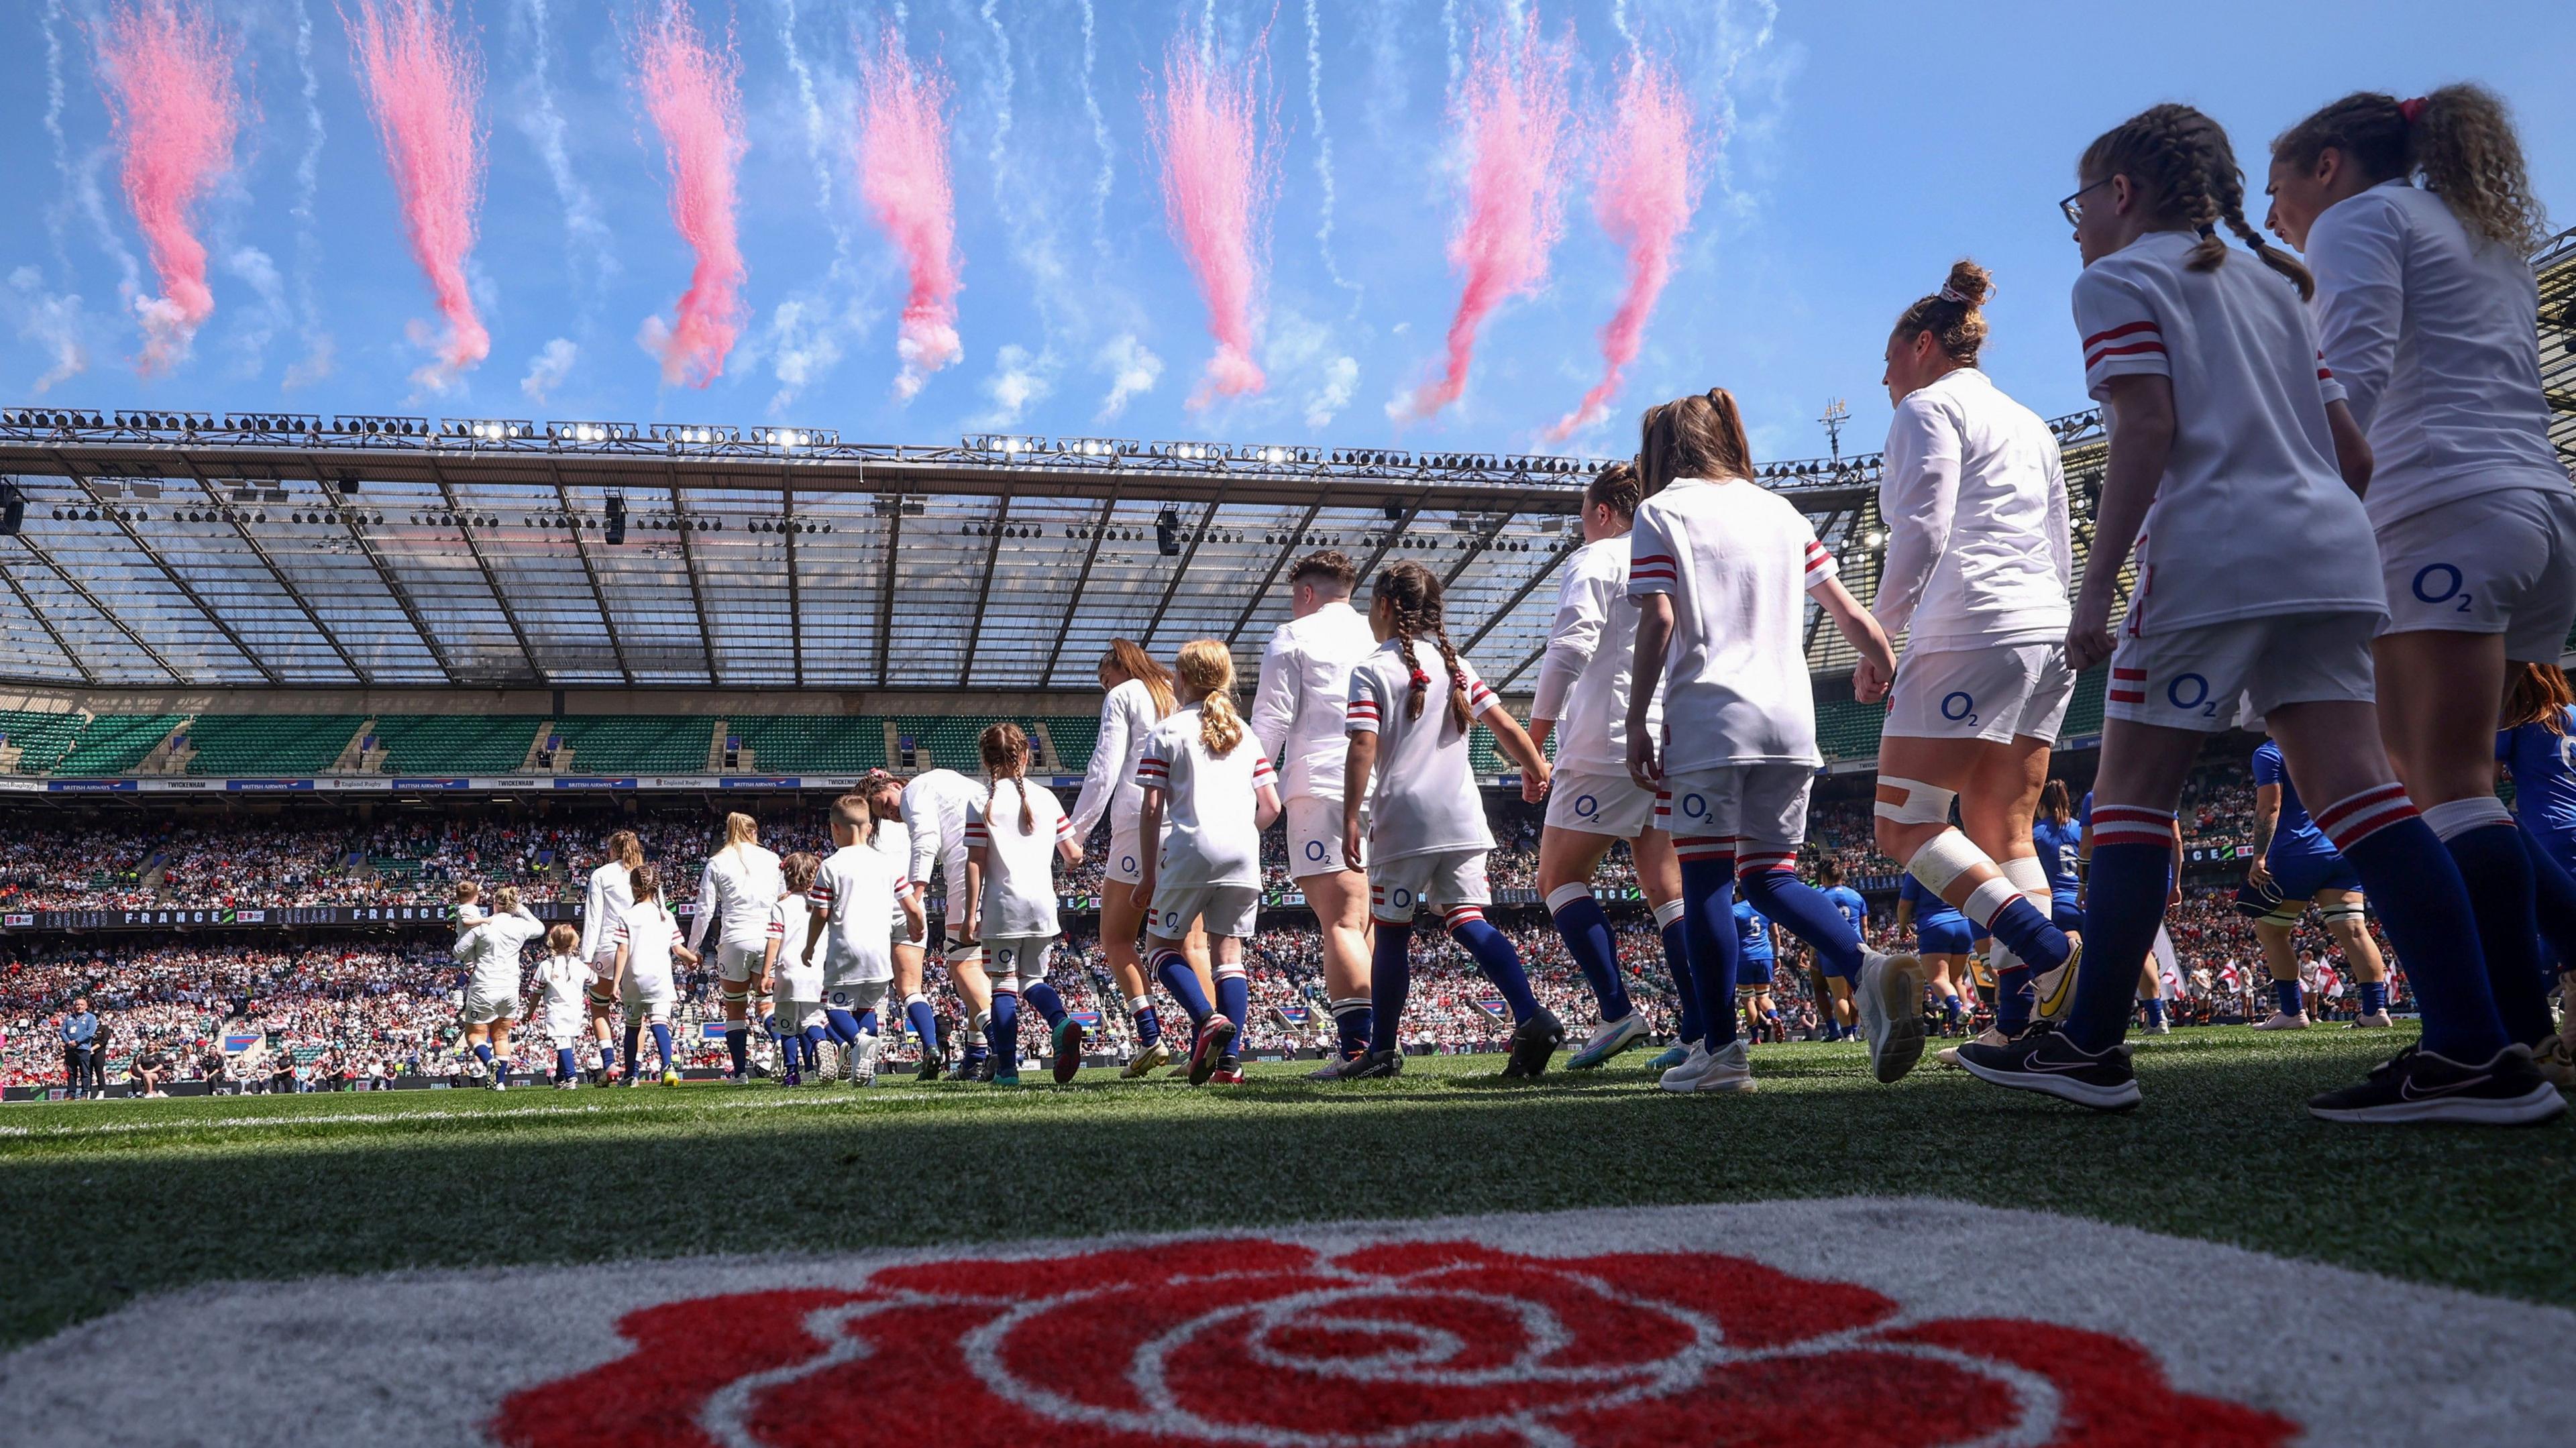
{"type": "Point", "coordinates": [2043, 1059]}
{"type": "Point", "coordinates": [2417, 1085]}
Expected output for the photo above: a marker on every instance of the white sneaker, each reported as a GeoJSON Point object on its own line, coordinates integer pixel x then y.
{"type": "Point", "coordinates": [1988, 1037]}
{"type": "Point", "coordinates": [866, 1051]}
{"type": "Point", "coordinates": [1889, 994]}
{"type": "Point", "coordinates": [2159, 1028]}
{"type": "Point", "coordinates": [2371, 1021]}
{"type": "Point", "coordinates": [1627, 1032]}
{"type": "Point", "coordinates": [2282, 1021]}
{"type": "Point", "coordinates": [847, 1068]}
{"type": "Point", "coordinates": [1727, 1069]}
{"type": "Point", "coordinates": [500, 1085]}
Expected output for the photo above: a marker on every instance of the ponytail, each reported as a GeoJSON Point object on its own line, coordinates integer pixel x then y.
{"type": "Point", "coordinates": [1005, 748]}
{"type": "Point", "coordinates": [1207, 669]}
{"type": "Point", "coordinates": [2458, 140]}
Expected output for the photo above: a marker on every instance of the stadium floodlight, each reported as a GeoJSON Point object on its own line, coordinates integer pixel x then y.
{"type": "Point", "coordinates": [615, 532]}
{"type": "Point", "coordinates": [13, 510]}
{"type": "Point", "coordinates": [1873, 538]}
{"type": "Point", "coordinates": [1167, 532]}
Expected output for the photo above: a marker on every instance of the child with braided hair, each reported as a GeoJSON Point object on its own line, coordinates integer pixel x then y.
{"type": "Point", "coordinates": [1426, 830]}
{"type": "Point", "coordinates": [1013, 838]}
{"type": "Point", "coordinates": [2219, 411]}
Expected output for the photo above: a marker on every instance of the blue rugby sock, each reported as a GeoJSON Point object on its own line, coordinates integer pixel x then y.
{"type": "Point", "coordinates": [738, 1046]}
{"type": "Point", "coordinates": [483, 1054]}
{"type": "Point", "coordinates": [2374, 997]}
{"type": "Point", "coordinates": [2014, 999]}
{"type": "Point", "coordinates": [1708, 917]}
{"type": "Point", "coordinates": [843, 1025]}
{"type": "Point", "coordinates": [925, 1022]}
{"type": "Point", "coordinates": [2487, 845]}
{"type": "Point", "coordinates": [662, 1043]}
{"type": "Point", "coordinates": [1390, 981]}
{"type": "Point", "coordinates": [2155, 1012]}
{"type": "Point", "coordinates": [2132, 870]}
{"type": "Point", "coordinates": [634, 1051]}
{"type": "Point", "coordinates": [1585, 928]}
{"type": "Point", "coordinates": [2553, 901]}
{"type": "Point", "coordinates": [1234, 1002]}
{"type": "Point", "coordinates": [1668, 926]}
{"type": "Point", "coordinates": [1496, 958]}
{"type": "Point", "coordinates": [1173, 969]}
{"type": "Point", "coordinates": [1351, 1025]}
{"type": "Point", "coordinates": [565, 1066]}
{"type": "Point", "coordinates": [1149, 1022]}
{"type": "Point", "coordinates": [1769, 880]}
{"type": "Point", "coordinates": [809, 1048]}
{"type": "Point", "coordinates": [2289, 997]}
{"type": "Point", "coordinates": [1002, 1029]}
{"type": "Point", "coordinates": [2424, 906]}
{"type": "Point", "coordinates": [608, 1056]}
{"type": "Point", "coordinates": [1050, 1006]}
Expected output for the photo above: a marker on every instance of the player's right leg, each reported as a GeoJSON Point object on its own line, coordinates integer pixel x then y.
{"type": "Point", "coordinates": [1122, 919]}
{"type": "Point", "coordinates": [1567, 860]}
{"type": "Point", "coordinates": [1339, 896]}
{"type": "Point", "coordinates": [2289, 1000]}
{"type": "Point", "coordinates": [2347, 917]}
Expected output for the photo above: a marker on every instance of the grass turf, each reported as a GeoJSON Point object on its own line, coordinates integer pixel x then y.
{"type": "Point", "coordinates": [112, 1199]}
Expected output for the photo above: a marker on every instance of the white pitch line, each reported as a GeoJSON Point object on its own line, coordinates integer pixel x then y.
{"type": "Point", "coordinates": [397, 1115]}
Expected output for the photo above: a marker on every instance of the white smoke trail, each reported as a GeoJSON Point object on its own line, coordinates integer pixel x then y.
{"type": "Point", "coordinates": [1133, 370]}
{"type": "Point", "coordinates": [1449, 34]}
{"type": "Point", "coordinates": [818, 128]}
{"type": "Point", "coordinates": [1207, 33]}
{"type": "Point", "coordinates": [805, 331]}
{"type": "Point", "coordinates": [53, 323]}
{"type": "Point", "coordinates": [80, 178]}
{"type": "Point", "coordinates": [588, 254]}
{"type": "Point", "coordinates": [1619, 22]}
{"type": "Point", "coordinates": [1323, 150]}
{"type": "Point", "coordinates": [54, 129]}
{"type": "Point", "coordinates": [316, 361]}
{"type": "Point", "coordinates": [1102, 184]}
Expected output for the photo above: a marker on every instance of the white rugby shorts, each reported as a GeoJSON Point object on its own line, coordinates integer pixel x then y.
{"type": "Point", "coordinates": [563, 1029]}
{"type": "Point", "coordinates": [646, 1002]}
{"type": "Point", "coordinates": [740, 963]}
{"type": "Point", "coordinates": [1753, 804]}
{"type": "Point", "coordinates": [1441, 879]}
{"type": "Point", "coordinates": [1599, 804]}
{"type": "Point", "coordinates": [482, 1008]}
{"type": "Point", "coordinates": [790, 1018]}
{"type": "Point", "coordinates": [856, 996]}
{"type": "Point", "coordinates": [2191, 678]}
{"type": "Point", "coordinates": [1023, 957]}
{"type": "Point", "coordinates": [1999, 693]}
{"type": "Point", "coordinates": [2501, 562]}
{"type": "Point", "coordinates": [1221, 910]}
{"type": "Point", "coordinates": [1315, 836]}
{"type": "Point", "coordinates": [1126, 862]}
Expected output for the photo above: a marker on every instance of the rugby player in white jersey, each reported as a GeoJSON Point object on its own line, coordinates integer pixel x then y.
{"type": "Point", "coordinates": [1139, 697]}
{"type": "Point", "coordinates": [561, 979]}
{"type": "Point", "coordinates": [603, 900]}
{"type": "Point", "coordinates": [852, 894]}
{"type": "Point", "coordinates": [934, 808]}
{"type": "Point", "coordinates": [1297, 717]}
{"type": "Point", "coordinates": [647, 940]}
{"type": "Point", "coordinates": [888, 836]}
{"type": "Point", "coordinates": [1582, 700]}
{"type": "Point", "coordinates": [490, 948]}
{"type": "Point", "coordinates": [740, 882]}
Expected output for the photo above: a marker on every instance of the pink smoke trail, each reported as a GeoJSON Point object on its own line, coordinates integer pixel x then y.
{"type": "Point", "coordinates": [424, 84]}
{"type": "Point", "coordinates": [694, 95]}
{"type": "Point", "coordinates": [1216, 186]}
{"type": "Point", "coordinates": [1644, 190]}
{"type": "Point", "coordinates": [170, 96]}
{"type": "Point", "coordinates": [903, 173]}
{"type": "Point", "coordinates": [1513, 107]}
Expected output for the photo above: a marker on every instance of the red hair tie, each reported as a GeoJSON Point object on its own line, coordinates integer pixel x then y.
{"type": "Point", "coordinates": [1420, 677]}
{"type": "Point", "coordinates": [2409, 110]}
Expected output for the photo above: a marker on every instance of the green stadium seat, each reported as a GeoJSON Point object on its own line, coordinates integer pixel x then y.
{"type": "Point", "coordinates": [812, 743]}
{"type": "Point", "coordinates": [115, 743]}
{"type": "Point", "coordinates": [254, 744]}
{"type": "Point", "coordinates": [636, 743]}
{"type": "Point", "coordinates": [425, 744]}
{"type": "Point", "coordinates": [41, 739]}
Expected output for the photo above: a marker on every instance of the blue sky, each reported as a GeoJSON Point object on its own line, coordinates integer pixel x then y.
{"type": "Point", "coordinates": [1856, 148]}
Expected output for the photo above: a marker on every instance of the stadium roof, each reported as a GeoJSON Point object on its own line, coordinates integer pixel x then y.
{"type": "Point", "coordinates": [282, 550]}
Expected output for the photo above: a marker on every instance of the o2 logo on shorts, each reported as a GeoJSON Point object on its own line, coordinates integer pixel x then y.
{"type": "Point", "coordinates": [1009, 956]}
{"type": "Point", "coordinates": [840, 1000]}
{"type": "Point", "coordinates": [1315, 851]}
{"type": "Point", "coordinates": [2440, 583]}
{"type": "Point", "coordinates": [2198, 688]}
{"type": "Point", "coordinates": [1401, 898]}
{"type": "Point", "coordinates": [1586, 807]}
{"type": "Point", "coordinates": [1127, 864]}
{"type": "Point", "coordinates": [1959, 707]}
{"type": "Point", "coordinates": [1694, 805]}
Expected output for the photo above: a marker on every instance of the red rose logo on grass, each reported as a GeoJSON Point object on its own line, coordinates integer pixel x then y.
{"type": "Point", "coordinates": [1274, 1345]}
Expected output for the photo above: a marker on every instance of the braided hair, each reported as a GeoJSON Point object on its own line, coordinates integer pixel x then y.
{"type": "Point", "coordinates": [1005, 748]}
{"type": "Point", "coordinates": [2182, 162]}
{"type": "Point", "coordinates": [1412, 594]}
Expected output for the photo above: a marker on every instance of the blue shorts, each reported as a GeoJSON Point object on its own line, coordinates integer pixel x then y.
{"type": "Point", "coordinates": [2301, 876]}
{"type": "Point", "coordinates": [1948, 939]}
{"type": "Point", "coordinates": [1752, 970]}
{"type": "Point", "coordinates": [2065, 914]}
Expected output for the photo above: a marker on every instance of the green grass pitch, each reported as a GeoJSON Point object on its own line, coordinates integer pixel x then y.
{"type": "Point", "coordinates": [110, 1200]}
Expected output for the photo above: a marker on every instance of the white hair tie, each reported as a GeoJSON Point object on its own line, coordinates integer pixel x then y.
{"type": "Point", "coordinates": [1950, 293]}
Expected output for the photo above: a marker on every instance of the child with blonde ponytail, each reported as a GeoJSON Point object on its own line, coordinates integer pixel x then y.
{"type": "Point", "coordinates": [1209, 792]}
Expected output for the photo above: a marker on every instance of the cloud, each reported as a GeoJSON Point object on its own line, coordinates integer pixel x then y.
{"type": "Point", "coordinates": [804, 343]}
{"type": "Point", "coordinates": [1132, 371]}
{"type": "Point", "coordinates": [1021, 379]}
{"type": "Point", "coordinates": [54, 323]}
{"type": "Point", "coordinates": [548, 369]}
{"type": "Point", "coordinates": [1341, 381]}
{"type": "Point", "coordinates": [269, 315]}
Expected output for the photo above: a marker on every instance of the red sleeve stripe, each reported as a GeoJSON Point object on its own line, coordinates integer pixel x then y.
{"type": "Point", "coordinates": [2126, 696]}
{"type": "Point", "coordinates": [2120, 673]}
{"type": "Point", "coordinates": [2116, 333]}
{"type": "Point", "coordinates": [1063, 827]}
{"type": "Point", "coordinates": [2097, 358]}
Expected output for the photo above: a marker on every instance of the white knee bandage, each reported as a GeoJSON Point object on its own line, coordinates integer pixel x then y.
{"type": "Point", "coordinates": [2028, 875]}
{"type": "Point", "coordinates": [1917, 803]}
{"type": "Point", "coordinates": [2349, 908]}
{"type": "Point", "coordinates": [1943, 859]}
{"type": "Point", "coordinates": [1564, 895]}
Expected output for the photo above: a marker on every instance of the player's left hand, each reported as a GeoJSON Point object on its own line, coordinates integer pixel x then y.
{"type": "Point", "coordinates": [2088, 636]}
{"type": "Point", "coordinates": [1869, 683]}
{"type": "Point", "coordinates": [1533, 788]}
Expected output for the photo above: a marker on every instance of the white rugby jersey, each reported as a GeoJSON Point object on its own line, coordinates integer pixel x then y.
{"type": "Point", "coordinates": [649, 931]}
{"type": "Point", "coordinates": [1210, 803]}
{"type": "Point", "coordinates": [2434, 335]}
{"type": "Point", "coordinates": [1738, 560]}
{"type": "Point", "coordinates": [889, 838]}
{"type": "Point", "coordinates": [854, 891]}
{"type": "Point", "coordinates": [1109, 784]}
{"type": "Point", "coordinates": [1423, 800]}
{"type": "Point", "coordinates": [740, 882]}
{"type": "Point", "coordinates": [1591, 652]}
{"type": "Point", "coordinates": [934, 817]}
{"type": "Point", "coordinates": [1305, 681]}
{"type": "Point", "coordinates": [561, 980]}
{"type": "Point", "coordinates": [1974, 498]}
{"type": "Point", "coordinates": [611, 890]}
{"type": "Point", "coordinates": [2252, 518]}
{"type": "Point", "coordinates": [1019, 866]}
{"type": "Point", "coordinates": [497, 944]}
{"type": "Point", "coordinates": [791, 919]}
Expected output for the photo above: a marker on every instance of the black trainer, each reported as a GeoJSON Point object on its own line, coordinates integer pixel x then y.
{"type": "Point", "coordinates": [2417, 1085]}
{"type": "Point", "coordinates": [1373, 1066]}
{"type": "Point", "coordinates": [2043, 1059]}
{"type": "Point", "coordinates": [1533, 1041]}
{"type": "Point", "coordinates": [932, 1063]}
{"type": "Point", "coordinates": [1339, 1068]}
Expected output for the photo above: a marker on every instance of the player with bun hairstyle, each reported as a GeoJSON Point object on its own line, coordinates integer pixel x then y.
{"type": "Point", "coordinates": [490, 948]}
{"type": "Point", "coordinates": [1412, 703]}
{"type": "Point", "coordinates": [2417, 219]}
{"type": "Point", "coordinates": [1976, 574]}
{"type": "Point", "coordinates": [738, 885]}
{"type": "Point", "coordinates": [1582, 700]}
{"type": "Point", "coordinates": [1722, 569]}
{"type": "Point", "coordinates": [2219, 412]}
{"type": "Point", "coordinates": [1139, 697]}
{"type": "Point", "coordinates": [1013, 838]}
{"type": "Point", "coordinates": [1209, 793]}
{"type": "Point", "coordinates": [1297, 716]}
